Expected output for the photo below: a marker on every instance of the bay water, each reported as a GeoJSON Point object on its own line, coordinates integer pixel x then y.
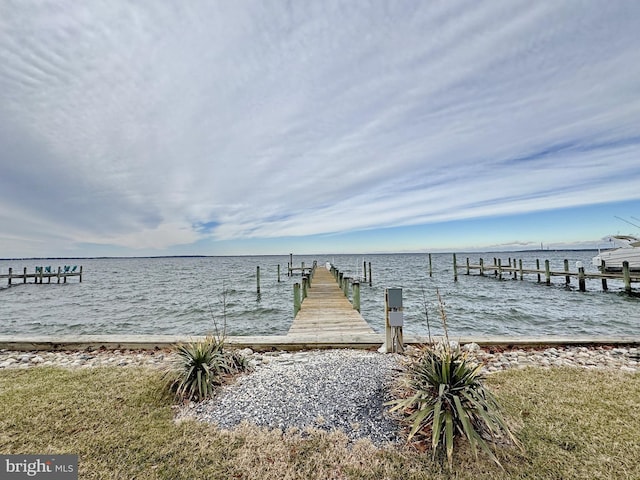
{"type": "Point", "coordinates": [196, 295]}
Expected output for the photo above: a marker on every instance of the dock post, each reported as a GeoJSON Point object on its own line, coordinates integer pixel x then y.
{"type": "Point", "coordinates": [59, 273]}
{"type": "Point", "coordinates": [296, 298]}
{"type": "Point", "coordinates": [455, 268]}
{"type": "Point", "coordinates": [538, 268]}
{"type": "Point", "coordinates": [364, 271]}
{"type": "Point", "coordinates": [604, 280]}
{"type": "Point", "coordinates": [340, 279]}
{"type": "Point", "coordinates": [481, 267]}
{"type": "Point", "coordinates": [521, 272]}
{"type": "Point", "coordinates": [547, 272]}
{"type": "Point", "coordinates": [305, 285]}
{"type": "Point", "coordinates": [24, 275]}
{"type": "Point", "coordinates": [258, 279]}
{"type": "Point", "coordinates": [356, 295]}
{"type": "Point", "coordinates": [345, 286]}
{"type": "Point", "coordinates": [468, 266]}
{"type": "Point", "coordinates": [80, 276]}
{"type": "Point", "coordinates": [10, 275]}
{"type": "Point", "coordinates": [41, 273]}
{"type": "Point", "coordinates": [370, 278]}
{"type": "Point", "coordinates": [500, 268]}
{"type": "Point", "coordinates": [581, 282]}
{"type": "Point", "coordinates": [495, 267]}
{"type": "Point", "coordinates": [278, 273]}
{"type": "Point", "coordinates": [567, 279]}
{"type": "Point", "coordinates": [627, 277]}
{"type": "Point", "coordinates": [302, 268]}
{"type": "Point", "coordinates": [430, 267]}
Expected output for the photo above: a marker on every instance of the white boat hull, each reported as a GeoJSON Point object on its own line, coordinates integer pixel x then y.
{"type": "Point", "coordinates": [613, 259]}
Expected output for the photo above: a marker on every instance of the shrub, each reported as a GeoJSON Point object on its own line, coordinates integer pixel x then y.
{"type": "Point", "coordinates": [444, 398]}
{"type": "Point", "coordinates": [200, 367]}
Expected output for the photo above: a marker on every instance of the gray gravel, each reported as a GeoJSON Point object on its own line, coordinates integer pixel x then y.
{"type": "Point", "coordinates": [328, 390]}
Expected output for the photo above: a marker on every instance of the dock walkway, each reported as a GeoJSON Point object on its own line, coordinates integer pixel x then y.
{"type": "Point", "coordinates": [326, 311]}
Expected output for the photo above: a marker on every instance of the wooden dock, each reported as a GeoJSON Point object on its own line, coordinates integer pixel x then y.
{"type": "Point", "coordinates": [326, 311]}
{"type": "Point", "coordinates": [516, 267]}
{"type": "Point", "coordinates": [41, 274]}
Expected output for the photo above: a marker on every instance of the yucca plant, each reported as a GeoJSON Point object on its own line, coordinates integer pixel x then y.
{"type": "Point", "coordinates": [200, 367]}
{"type": "Point", "coordinates": [446, 399]}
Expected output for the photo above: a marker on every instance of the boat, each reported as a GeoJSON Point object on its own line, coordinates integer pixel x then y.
{"type": "Point", "coordinates": [627, 249]}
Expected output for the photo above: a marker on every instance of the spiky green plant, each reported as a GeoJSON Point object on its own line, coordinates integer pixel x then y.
{"type": "Point", "coordinates": [200, 367]}
{"type": "Point", "coordinates": [445, 399]}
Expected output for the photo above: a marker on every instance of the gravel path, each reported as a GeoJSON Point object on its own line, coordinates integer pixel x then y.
{"type": "Point", "coordinates": [335, 389]}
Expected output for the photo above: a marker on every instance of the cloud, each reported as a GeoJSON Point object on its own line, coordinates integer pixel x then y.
{"type": "Point", "coordinates": [149, 125]}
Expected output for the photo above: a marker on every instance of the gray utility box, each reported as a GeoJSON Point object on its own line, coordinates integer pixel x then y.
{"type": "Point", "coordinates": [394, 304]}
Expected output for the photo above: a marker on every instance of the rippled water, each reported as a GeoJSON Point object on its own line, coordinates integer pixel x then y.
{"type": "Point", "coordinates": [185, 295]}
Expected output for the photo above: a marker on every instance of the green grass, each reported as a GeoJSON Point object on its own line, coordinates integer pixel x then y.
{"type": "Point", "coordinates": [572, 423]}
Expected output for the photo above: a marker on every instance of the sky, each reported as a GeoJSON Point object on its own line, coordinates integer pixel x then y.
{"type": "Point", "coordinates": [251, 127]}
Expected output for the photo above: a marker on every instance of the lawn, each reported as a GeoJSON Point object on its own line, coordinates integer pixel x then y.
{"type": "Point", "coordinates": [574, 424]}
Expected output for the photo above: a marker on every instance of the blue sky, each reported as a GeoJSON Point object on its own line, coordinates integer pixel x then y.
{"type": "Point", "coordinates": [250, 127]}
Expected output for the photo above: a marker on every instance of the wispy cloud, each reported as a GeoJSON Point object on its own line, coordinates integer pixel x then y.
{"type": "Point", "coordinates": [154, 124]}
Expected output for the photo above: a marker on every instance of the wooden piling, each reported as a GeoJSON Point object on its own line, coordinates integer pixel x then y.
{"type": "Point", "coordinates": [296, 299]}
{"type": "Point", "coordinates": [278, 273]}
{"type": "Point", "coordinates": [455, 268]}
{"type": "Point", "coordinates": [538, 268]}
{"type": "Point", "coordinates": [364, 271]}
{"type": "Point", "coordinates": [305, 286]}
{"type": "Point", "coordinates": [521, 270]}
{"type": "Point", "coordinates": [345, 286]}
{"type": "Point", "coordinates": [481, 267]}
{"type": "Point", "coordinates": [370, 277]}
{"type": "Point", "coordinates": [500, 268]}
{"type": "Point", "coordinates": [626, 276]}
{"type": "Point", "coordinates": [430, 267]}
{"type": "Point", "coordinates": [257, 279]}
{"type": "Point", "coordinates": [567, 278]}
{"type": "Point", "coordinates": [581, 281]}
{"type": "Point", "coordinates": [356, 295]}
{"type": "Point", "coordinates": [547, 272]}
{"type": "Point", "coordinates": [468, 270]}
{"type": "Point", "coordinates": [604, 279]}
{"type": "Point", "coordinates": [10, 275]}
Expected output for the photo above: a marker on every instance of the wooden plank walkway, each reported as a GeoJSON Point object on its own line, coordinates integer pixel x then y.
{"type": "Point", "coordinates": [326, 311]}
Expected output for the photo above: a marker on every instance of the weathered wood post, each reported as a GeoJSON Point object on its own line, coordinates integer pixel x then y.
{"type": "Point", "coordinates": [41, 275]}
{"type": "Point", "coordinates": [24, 275]}
{"type": "Point", "coordinates": [278, 273]}
{"type": "Point", "coordinates": [455, 268]}
{"type": "Point", "coordinates": [296, 298]}
{"type": "Point", "coordinates": [468, 270]}
{"type": "Point", "coordinates": [305, 286]}
{"type": "Point", "coordinates": [364, 271]}
{"type": "Point", "coordinates": [80, 276]}
{"type": "Point", "coordinates": [567, 278]}
{"type": "Point", "coordinates": [430, 267]}
{"type": "Point", "coordinates": [538, 268]}
{"type": "Point", "coordinates": [340, 279]}
{"type": "Point", "coordinates": [604, 280]}
{"type": "Point", "coordinates": [345, 286]}
{"type": "Point", "coordinates": [370, 277]}
{"type": "Point", "coordinates": [495, 267]}
{"type": "Point", "coordinates": [10, 275]}
{"type": "Point", "coordinates": [481, 267]}
{"type": "Point", "coordinates": [581, 282]}
{"type": "Point", "coordinates": [521, 272]}
{"type": "Point", "coordinates": [547, 272]}
{"type": "Point", "coordinates": [627, 277]}
{"type": "Point", "coordinates": [356, 295]}
{"type": "Point", "coordinates": [258, 279]}
{"type": "Point", "coordinates": [500, 268]}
